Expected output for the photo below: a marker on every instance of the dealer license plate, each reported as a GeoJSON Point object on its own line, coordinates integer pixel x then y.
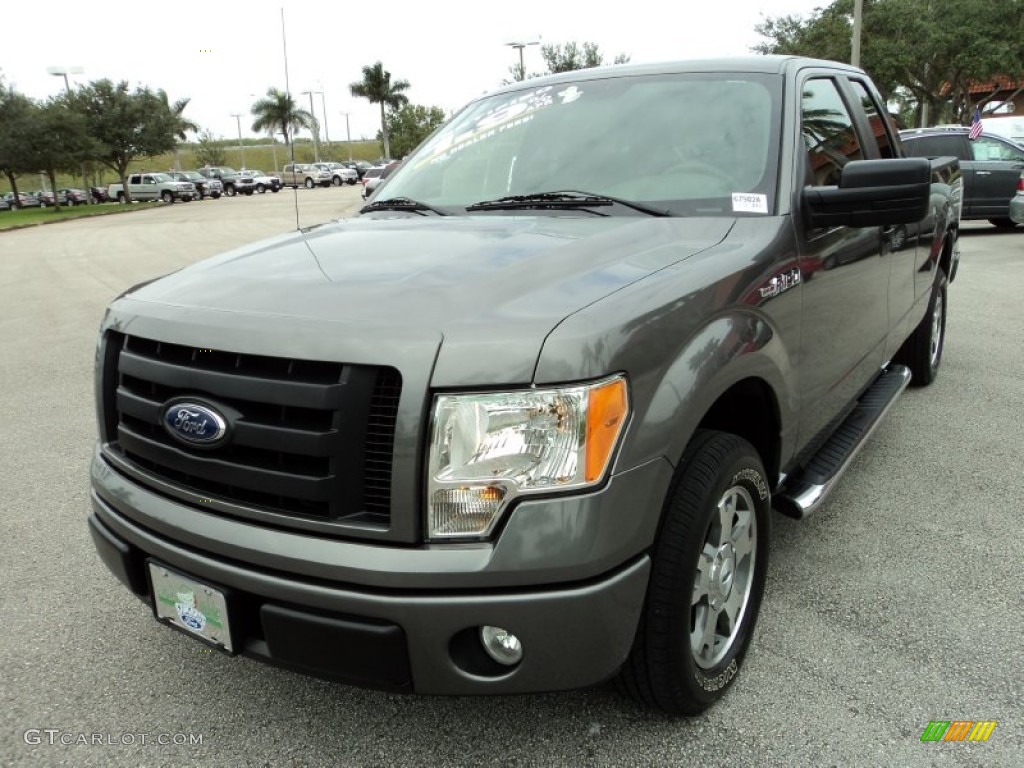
{"type": "Point", "coordinates": [197, 608]}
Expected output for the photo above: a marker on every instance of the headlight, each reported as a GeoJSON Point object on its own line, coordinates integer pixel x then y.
{"type": "Point", "coordinates": [487, 449]}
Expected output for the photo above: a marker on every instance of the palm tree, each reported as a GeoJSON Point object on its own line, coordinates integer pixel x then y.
{"type": "Point", "coordinates": [181, 126]}
{"type": "Point", "coordinates": [277, 111]}
{"type": "Point", "coordinates": [377, 88]}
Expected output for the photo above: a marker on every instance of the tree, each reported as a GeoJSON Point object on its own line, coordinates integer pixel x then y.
{"type": "Point", "coordinates": [377, 87]}
{"type": "Point", "coordinates": [210, 150]}
{"type": "Point", "coordinates": [412, 124]}
{"type": "Point", "coordinates": [58, 140]}
{"type": "Point", "coordinates": [277, 111]}
{"type": "Point", "coordinates": [15, 129]}
{"type": "Point", "coordinates": [927, 50]}
{"type": "Point", "coordinates": [181, 125]}
{"type": "Point", "coordinates": [566, 57]}
{"type": "Point", "coordinates": [126, 124]}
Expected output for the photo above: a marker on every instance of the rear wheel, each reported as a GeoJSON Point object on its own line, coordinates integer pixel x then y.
{"type": "Point", "coordinates": [922, 351]}
{"type": "Point", "coordinates": [707, 578]}
{"type": "Point", "coordinates": [120, 197]}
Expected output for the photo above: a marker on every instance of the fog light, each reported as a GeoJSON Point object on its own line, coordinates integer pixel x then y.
{"type": "Point", "coordinates": [501, 645]}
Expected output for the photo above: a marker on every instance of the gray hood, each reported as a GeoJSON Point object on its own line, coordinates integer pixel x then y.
{"type": "Point", "coordinates": [493, 287]}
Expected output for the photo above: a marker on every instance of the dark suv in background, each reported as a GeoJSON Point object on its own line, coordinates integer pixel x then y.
{"type": "Point", "coordinates": [991, 167]}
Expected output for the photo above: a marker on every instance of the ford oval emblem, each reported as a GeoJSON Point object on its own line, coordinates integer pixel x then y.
{"type": "Point", "coordinates": [195, 424]}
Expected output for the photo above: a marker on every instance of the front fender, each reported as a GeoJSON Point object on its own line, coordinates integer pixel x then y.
{"type": "Point", "coordinates": [728, 350]}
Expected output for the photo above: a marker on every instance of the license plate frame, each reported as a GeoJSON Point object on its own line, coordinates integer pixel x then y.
{"type": "Point", "coordinates": [192, 606]}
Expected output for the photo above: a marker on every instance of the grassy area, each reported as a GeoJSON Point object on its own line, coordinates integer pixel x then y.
{"type": "Point", "coordinates": [30, 216]}
{"type": "Point", "coordinates": [260, 156]}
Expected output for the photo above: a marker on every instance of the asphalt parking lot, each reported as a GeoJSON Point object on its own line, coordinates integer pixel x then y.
{"type": "Point", "coordinates": [899, 603]}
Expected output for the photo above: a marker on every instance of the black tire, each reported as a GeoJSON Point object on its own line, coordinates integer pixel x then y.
{"type": "Point", "coordinates": [336, 181]}
{"type": "Point", "coordinates": [1002, 223]}
{"type": "Point", "coordinates": [229, 190]}
{"type": "Point", "coordinates": [215, 195]}
{"type": "Point", "coordinates": [275, 190]}
{"type": "Point", "coordinates": [167, 196]}
{"type": "Point", "coordinates": [922, 351]}
{"type": "Point", "coordinates": [120, 197]}
{"type": "Point", "coordinates": [351, 182]}
{"type": "Point", "coordinates": [248, 192]}
{"type": "Point", "coordinates": [309, 183]}
{"type": "Point", "coordinates": [720, 498]}
{"type": "Point", "coordinates": [260, 188]}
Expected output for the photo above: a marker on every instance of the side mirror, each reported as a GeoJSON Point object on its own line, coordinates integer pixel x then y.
{"type": "Point", "coordinates": [872, 193]}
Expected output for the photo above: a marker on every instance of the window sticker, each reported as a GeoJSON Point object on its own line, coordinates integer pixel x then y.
{"type": "Point", "coordinates": [747, 202]}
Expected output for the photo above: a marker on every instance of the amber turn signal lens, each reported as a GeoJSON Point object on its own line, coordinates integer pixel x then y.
{"type": "Point", "coordinates": [606, 415]}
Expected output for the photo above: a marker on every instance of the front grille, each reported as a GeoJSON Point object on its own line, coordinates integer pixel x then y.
{"type": "Point", "coordinates": [311, 440]}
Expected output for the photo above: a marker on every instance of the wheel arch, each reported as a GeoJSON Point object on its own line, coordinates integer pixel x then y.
{"type": "Point", "coordinates": [749, 409]}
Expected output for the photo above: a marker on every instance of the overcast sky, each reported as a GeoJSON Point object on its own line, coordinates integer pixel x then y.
{"type": "Point", "coordinates": [223, 54]}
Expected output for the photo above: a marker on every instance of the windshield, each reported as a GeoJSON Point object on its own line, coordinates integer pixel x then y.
{"type": "Point", "coordinates": [698, 144]}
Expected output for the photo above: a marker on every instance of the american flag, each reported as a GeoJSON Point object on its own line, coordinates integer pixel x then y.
{"type": "Point", "coordinates": [975, 125]}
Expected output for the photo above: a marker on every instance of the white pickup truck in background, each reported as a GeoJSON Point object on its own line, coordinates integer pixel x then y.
{"type": "Point", "coordinates": [152, 186]}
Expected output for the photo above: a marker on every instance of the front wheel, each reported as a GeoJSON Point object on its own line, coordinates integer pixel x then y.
{"type": "Point", "coordinates": [336, 181]}
{"type": "Point", "coordinates": [309, 183]}
{"type": "Point", "coordinates": [260, 188]}
{"type": "Point", "coordinates": [229, 190]}
{"type": "Point", "coordinates": [707, 578]}
{"type": "Point", "coordinates": [167, 196]}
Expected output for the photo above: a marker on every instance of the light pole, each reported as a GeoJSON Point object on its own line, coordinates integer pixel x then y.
{"type": "Point", "coordinates": [327, 134]}
{"type": "Point", "coordinates": [312, 111]}
{"type": "Point", "coordinates": [348, 135]}
{"type": "Point", "coordinates": [238, 120]}
{"type": "Point", "coordinates": [858, 17]}
{"type": "Point", "coordinates": [64, 72]}
{"type": "Point", "coordinates": [519, 47]}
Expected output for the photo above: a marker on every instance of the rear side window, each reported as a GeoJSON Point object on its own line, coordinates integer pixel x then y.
{"type": "Point", "coordinates": [934, 146]}
{"type": "Point", "coordinates": [828, 133]}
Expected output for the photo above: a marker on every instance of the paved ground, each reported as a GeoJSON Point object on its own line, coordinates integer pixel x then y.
{"type": "Point", "coordinates": [899, 603]}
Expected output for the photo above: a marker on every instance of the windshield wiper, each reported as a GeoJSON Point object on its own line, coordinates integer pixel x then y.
{"type": "Point", "coordinates": [401, 204]}
{"type": "Point", "coordinates": [568, 198]}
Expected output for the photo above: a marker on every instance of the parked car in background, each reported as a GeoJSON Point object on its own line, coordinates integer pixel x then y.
{"type": "Point", "coordinates": [1017, 203]}
{"type": "Point", "coordinates": [153, 186]}
{"type": "Point", "coordinates": [25, 200]}
{"type": "Point", "coordinates": [46, 197]}
{"type": "Point", "coordinates": [340, 173]}
{"type": "Point", "coordinates": [99, 194]}
{"type": "Point", "coordinates": [371, 177]}
{"type": "Point", "coordinates": [305, 175]}
{"type": "Point", "coordinates": [5, 204]}
{"type": "Point", "coordinates": [234, 183]}
{"type": "Point", "coordinates": [204, 187]}
{"type": "Point", "coordinates": [376, 175]}
{"type": "Point", "coordinates": [263, 181]}
{"type": "Point", "coordinates": [991, 167]}
{"type": "Point", "coordinates": [74, 196]}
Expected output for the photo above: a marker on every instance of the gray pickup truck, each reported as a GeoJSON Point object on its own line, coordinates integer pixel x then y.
{"type": "Point", "coordinates": [520, 426]}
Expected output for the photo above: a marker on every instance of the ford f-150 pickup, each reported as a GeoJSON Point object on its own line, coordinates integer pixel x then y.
{"type": "Point", "coordinates": [521, 424]}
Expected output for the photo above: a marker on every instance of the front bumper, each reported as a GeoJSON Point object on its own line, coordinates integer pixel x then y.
{"type": "Point", "coordinates": [348, 611]}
